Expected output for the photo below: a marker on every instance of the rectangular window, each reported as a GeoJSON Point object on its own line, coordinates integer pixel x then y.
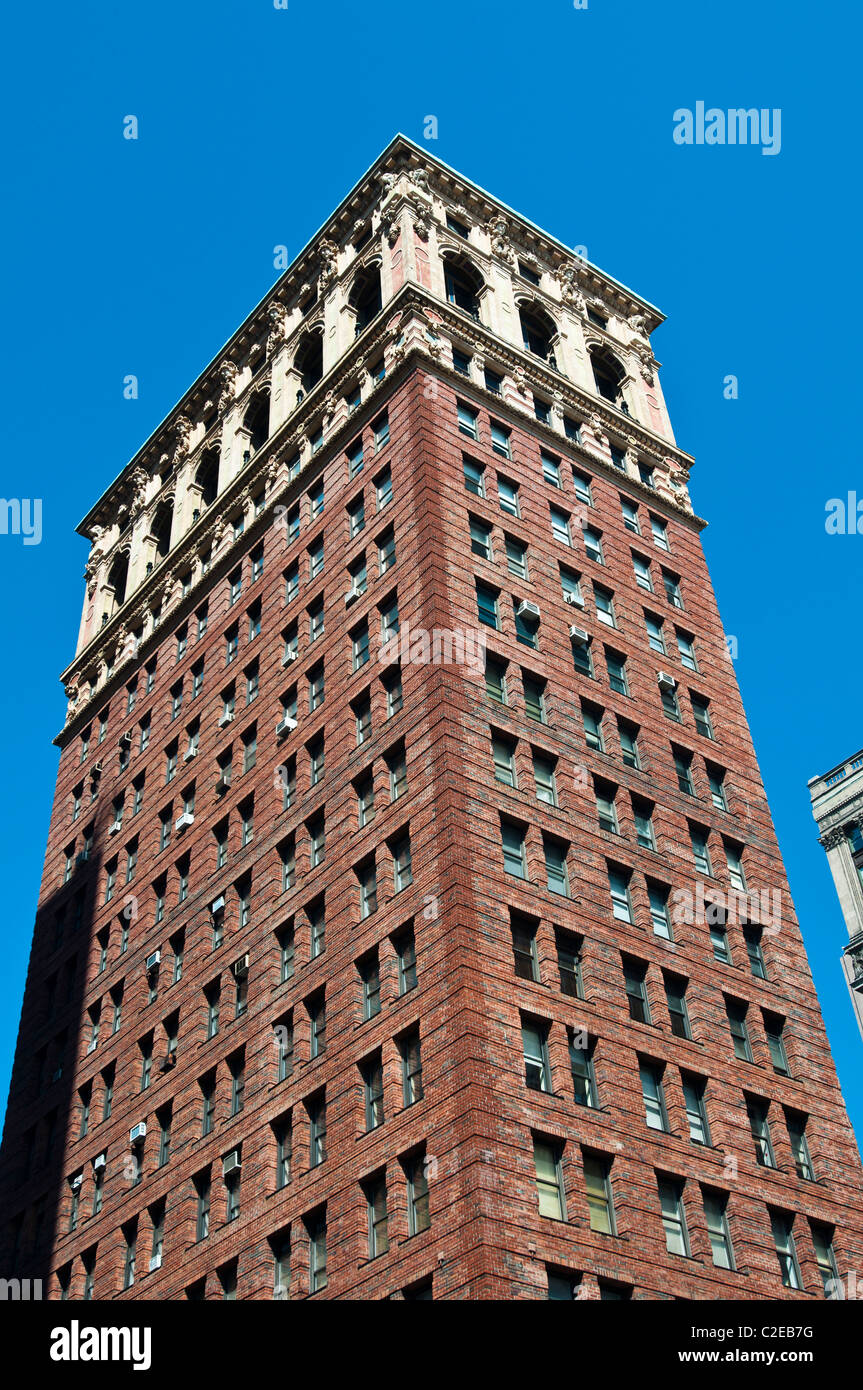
{"type": "Point", "coordinates": [419, 1216]}
{"type": "Point", "coordinates": [673, 1216]}
{"type": "Point", "coordinates": [634, 973]}
{"type": "Point", "coordinates": [786, 1251]}
{"type": "Point", "coordinates": [675, 996]}
{"type": "Point", "coordinates": [560, 526]}
{"type": "Point", "coordinates": [736, 1013]}
{"type": "Point", "coordinates": [653, 1094]}
{"type": "Point", "coordinates": [696, 1111]}
{"type": "Point", "coordinates": [581, 1066]}
{"type": "Point", "coordinates": [642, 573]}
{"type": "Point", "coordinates": [549, 1179]}
{"type": "Point", "coordinates": [467, 421]}
{"type": "Point", "coordinates": [537, 1070]}
{"type": "Point", "coordinates": [759, 1124]}
{"type": "Point", "coordinates": [597, 1180]}
{"type": "Point", "coordinates": [569, 963]}
{"type": "Point", "coordinates": [500, 442]}
{"type": "Point", "coordinates": [412, 1069]}
{"type": "Point", "coordinates": [616, 666]}
{"type": "Point", "coordinates": [523, 931]}
{"type": "Point", "coordinates": [514, 858]}
{"type": "Point", "coordinates": [621, 903]}
{"type": "Point", "coordinates": [376, 1200]}
{"type": "Point", "coordinates": [474, 476]}
{"type": "Point", "coordinates": [487, 606]}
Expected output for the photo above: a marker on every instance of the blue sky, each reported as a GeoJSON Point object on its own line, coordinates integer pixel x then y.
{"type": "Point", "coordinates": [142, 257]}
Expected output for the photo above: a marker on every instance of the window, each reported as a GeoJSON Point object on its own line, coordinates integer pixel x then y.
{"type": "Point", "coordinates": [822, 1239]}
{"type": "Point", "coordinates": [419, 1216]}
{"type": "Point", "coordinates": [386, 551]}
{"type": "Point", "coordinates": [701, 713]}
{"type": "Point", "coordinates": [719, 941]}
{"type": "Point", "coordinates": [736, 1013]}
{"type": "Point", "coordinates": [544, 778]}
{"type": "Point", "coordinates": [523, 931]}
{"type": "Point", "coordinates": [412, 1072]}
{"type": "Point", "coordinates": [316, 1108]}
{"type": "Point", "coordinates": [616, 666]}
{"type": "Point", "coordinates": [560, 526]}
{"type": "Point", "coordinates": [653, 1094]}
{"type": "Point", "coordinates": [316, 619]}
{"type": "Point", "coordinates": [495, 679]}
{"type": "Point", "coordinates": [630, 516]}
{"type": "Point", "coordinates": [549, 1179]}
{"type": "Point", "coordinates": [597, 1180]}
{"type": "Point", "coordinates": [591, 716]}
{"type": "Point", "coordinates": [317, 760]}
{"type": "Point", "coordinates": [659, 914]}
{"type": "Point", "coordinates": [672, 589]}
{"type": "Point", "coordinates": [569, 964]}
{"type": "Point", "coordinates": [516, 560]}
{"type": "Point", "coordinates": [550, 469]}
{"type": "Point", "coordinates": [493, 381]}
{"type": "Point", "coordinates": [360, 647]}
{"type": "Point", "coordinates": [799, 1145]}
{"type": "Point", "coordinates": [581, 482]}
{"type": "Point", "coordinates": [786, 1252]}
{"type": "Point", "coordinates": [316, 1227]}
{"type": "Point", "coordinates": [406, 957]}
{"type": "Point", "coordinates": [356, 516]}
{"type": "Point", "coordinates": [372, 1074]}
{"type": "Point", "coordinates": [593, 545]}
{"type": "Point", "coordinates": [367, 880]}
{"type": "Point", "coordinates": [604, 601]}
{"type": "Point", "coordinates": [752, 937]}
{"type": "Point", "coordinates": [642, 812]}
{"type": "Point", "coordinates": [467, 421]}
{"type": "Point", "coordinates": [694, 1088]}
{"type": "Point", "coordinates": [642, 573]}
{"type": "Point", "coordinates": [365, 800]}
{"type": "Point", "coordinates": [621, 903]}
{"type": "Point", "coordinates": [375, 1190]}
{"type": "Point", "coordinates": [487, 606]}
{"type": "Point", "coordinates": [503, 753]}
{"type": "Point", "coordinates": [700, 850]}
{"type": "Point", "coordinates": [634, 973]}
{"type": "Point", "coordinates": [285, 939]}
{"type": "Point", "coordinates": [392, 683]}
{"type": "Point", "coordinates": [383, 489]}
{"type": "Point", "coordinates": [317, 918]}
{"type": "Point", "coordinates": [606, 811]}
{"type": "Point", "coordinates": [581, 1066]}
{"type": "Point", "coordinates": [686, 650]}
{"type": "Point", "coordinates": [370, 980]}
{"type": "Point", "coordinates": [402, 863]}
{"type": "Point", "coordinates": [202, 1186]}
{"type": "Point", "coordinates": [474, 476]}
{"type": "Point", "coordinates": [735, 864]}
{"type": "Point", "coordinates": [659, 531]}
{"type": "Point", "coordinates": [534, 697]}
{"type": "Point", "coordinates": [673, 1216]}
{"type": "Point", "coordinates": [507, 493]}
{"type": "Point", "coordinates": [514, 858]}
{"type": "Point", "coordinates": [716, 780]}
{"type": "Point", "coordinates": [461, 362]}
{"type": "Point", "coordinates": [757, 1112]}
{"type": "Point", "coordinates": [655, 639]}
{"type": "Point", "coordinates": [500, 443]}
{"type": "Point", "coordinates": [534, 1041]}
{"type": "Point", "coordinates": [774, 1028]}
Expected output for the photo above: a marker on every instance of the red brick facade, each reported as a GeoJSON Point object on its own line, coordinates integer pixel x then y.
{"type": "Point", "coordinates": [474, 1126]}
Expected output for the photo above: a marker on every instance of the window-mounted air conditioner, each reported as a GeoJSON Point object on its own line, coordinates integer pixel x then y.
{"type": "Point", "coordinates": [665, 681]}
{"type": "Point", "coordinates": [528, 610]}
{"type": "Point", "coordinates": [184, 821]}
{"type": "Point", "coordinates": [152, 961]}
{"type": "Point", "coordinates": [138, 1133]}
{"type": "Point", "coordinates": [231, 1163]}
{"type": "Point", "coordinates": [573, 599]}
{"type": "Point", "coordinates": [289, 657]}
{"type": "Point", "coordinates": [285, 726]}
{"type": "Point", "coordinates": [226, 718]}
{"type": "Point", "coordinates": [579, 636]}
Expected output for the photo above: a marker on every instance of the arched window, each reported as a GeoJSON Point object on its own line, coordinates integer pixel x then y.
{"type": "Point", "coordinates": [207, 477]}
{"type": "Point", "coordinates": [257, 420]}
{"type": "Point", "coordinates": [161, 530]}
{"type": "Point", "coordinates": [609, 376]}
{"type": "Point", "coordinates": [117, 578]}
{"type": "Point", "coordinates": [365, 298]}
{"type": "Point", "coordinates": [463, 285]}
{"type": "Point", "coordinates": [538, 331]}
{"type": "Point", "coordinates": [309, 361]}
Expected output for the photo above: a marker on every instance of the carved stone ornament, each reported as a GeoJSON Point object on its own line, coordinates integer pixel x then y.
{"type": "Point", "coordinates": [276, 319]}
{"type": "Point", "coordinates": [631, 456]}
{"type": "Point", "coordinates": [329, 406]}
{"type": "Point", "coordinates": [646, 363]}
{"type": "Point", "coordinates": [833, 838]}
{"type": "Point", "coordinates": [420, 177]}
{"type": "Point", "coordinates": [138, 480]}
{"type": "Point", "coordinates": [329, 268]}
{"type": "Point", "coordinates": [392, 228]}
{"type": "Point", "coordinates": [421, 220]}
{"type": "Point", "coordinates": [570, 290]}
{"type": "Point", "coordinates": [596, 425]}
{"type": "Point", "coordinates": [388, 183]}
{"type": "Point", "coordinates": [638, 324]}
{"type": "Point", "coordinates": [228, 377]}
{"type": "Point", "coordinates": [499, 235]}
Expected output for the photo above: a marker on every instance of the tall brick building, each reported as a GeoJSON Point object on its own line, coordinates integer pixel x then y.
{"type": "Point", "coordinates": [412, 923]}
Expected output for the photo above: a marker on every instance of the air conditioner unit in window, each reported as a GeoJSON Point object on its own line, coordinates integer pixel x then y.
{"type": "Point", "coordinates": [289, 657]}
{"type": "Point", "coordinates": [168, 1062]}
{"type": "Point", "coordinates": [190, 753]}
{"type": "Point", "coordinates": [138, 1133]}
{"type": "Point", "coordinates": [575, 600]}
{"type": "Point", "coordinates": [126, 739]}
{"type": "Point", "coordinates": [579, 636]}
{"type": "Point", "coordinates": [528, 610]}
{"type": "Point", "coordinates": [152, 961]}
{"type": "Point", "coordinates": [184, 821]}
{"type": "Point", "coordinates": [665, 681]}
{"type": "Point", "coordinates": [351, 596]}
{"type": "Point", "coordinates": [97, 770]}
{"type": "Point", "coordinates": [100, 1161]}
{"type": "Point", "coordinates": [117, 825]}
{"type": "Point", "coordinates": [286, 726]}
{"type": "Point", "coordinates": [155, 1262]}
{"type": "Point", "coordinates": [231, 1163]}
{"type": "Point", "coordinates": [240, 968]}
{"type": "Point", "coordinates": [217, 905]}
{"type": "Point", "coordinates": [223, 784]}
{"type": "Point", "coordinates": [226, 718]}
{"type": "Point", "coordinates": [76, 1182]}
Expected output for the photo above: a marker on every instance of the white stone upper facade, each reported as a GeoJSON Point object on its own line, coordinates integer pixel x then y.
{"type": "Point", "coordinates": [837, 805]}
{"type": "Point", "coordinates": [417, 260]}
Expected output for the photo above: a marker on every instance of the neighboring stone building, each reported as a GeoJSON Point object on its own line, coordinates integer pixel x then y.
{"type": "Point", "coordinates": [412, 922]}
{"type": "Point", "coordinates": [837, 805]}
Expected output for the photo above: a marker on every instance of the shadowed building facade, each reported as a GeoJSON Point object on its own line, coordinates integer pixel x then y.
{"type": "Point", "coordinates": [413, 924]}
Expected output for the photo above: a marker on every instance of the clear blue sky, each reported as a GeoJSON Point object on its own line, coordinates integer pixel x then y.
{"type": "Point", "coordinates": [143, 257]}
